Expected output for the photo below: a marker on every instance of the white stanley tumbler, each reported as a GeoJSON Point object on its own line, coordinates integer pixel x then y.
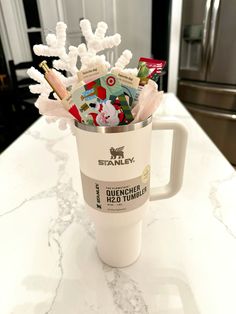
{"type": "Point", "coordinates": [115, 174]}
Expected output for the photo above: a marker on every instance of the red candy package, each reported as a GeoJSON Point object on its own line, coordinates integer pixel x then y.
{"type": "Point", "coordinates": [150, 69]}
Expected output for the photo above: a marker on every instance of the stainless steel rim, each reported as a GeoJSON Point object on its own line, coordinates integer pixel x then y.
{"type": "Point", "coordinates": [114, 129]}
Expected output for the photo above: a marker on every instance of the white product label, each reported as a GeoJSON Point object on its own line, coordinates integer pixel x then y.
{"type": "Point", "coordinates": [117, 196]}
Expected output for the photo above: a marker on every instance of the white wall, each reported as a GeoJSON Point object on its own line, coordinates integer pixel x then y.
{"type": "Point", "coordinates": [50, 13]}
{"type": "Point", "coordinates": [132, 19]}
{"type": "Point", "coordinates": [134, 25]}
{"type": "Point", "coordinates": [95, 11]}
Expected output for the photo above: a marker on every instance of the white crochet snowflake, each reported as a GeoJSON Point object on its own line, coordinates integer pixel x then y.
{"type": "Point", "coordinates": [67, 61]}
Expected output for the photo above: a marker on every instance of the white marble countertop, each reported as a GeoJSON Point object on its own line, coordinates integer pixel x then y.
{"type": "Point", "coordinates": [48, 259]}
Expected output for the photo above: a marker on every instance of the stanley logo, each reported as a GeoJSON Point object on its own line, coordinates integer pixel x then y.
{"type": "Point", "coordinates": [117, 158]}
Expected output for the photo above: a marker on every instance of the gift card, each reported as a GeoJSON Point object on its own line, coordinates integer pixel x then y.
{"type": "Point", "coordinates": [129, 84]}
{"type": "Point", "coordinates": [102, 102]}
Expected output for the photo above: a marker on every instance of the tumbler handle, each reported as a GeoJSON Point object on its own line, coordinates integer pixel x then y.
{"type": "Point", "coordinates": [178, 153]}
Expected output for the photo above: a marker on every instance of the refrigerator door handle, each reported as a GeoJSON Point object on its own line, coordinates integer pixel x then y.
{"type": "Point", "coordinates": [205, 30]}
{"type": "Point", "coordinates": [214, 19]}
{"type": "Point", "coordinates": [215, 114]}
{"type": "Point", "coordinates": [212, 89]}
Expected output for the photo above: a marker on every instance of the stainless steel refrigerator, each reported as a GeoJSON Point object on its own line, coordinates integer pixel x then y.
{"type": "Point", "coordinates": [207, 69]}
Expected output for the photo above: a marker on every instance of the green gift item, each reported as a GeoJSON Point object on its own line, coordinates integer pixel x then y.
{"type": "Point", "coordinates": [150, 69]}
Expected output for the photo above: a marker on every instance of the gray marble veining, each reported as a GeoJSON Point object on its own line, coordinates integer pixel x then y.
{"type": "Point", "coordinates": [125, 291]}
{"type": "Point", "coordinates": [218, 207]}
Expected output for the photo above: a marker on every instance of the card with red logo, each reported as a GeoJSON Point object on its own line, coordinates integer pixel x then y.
{"type": "Point", "coordinates": [102, 102]}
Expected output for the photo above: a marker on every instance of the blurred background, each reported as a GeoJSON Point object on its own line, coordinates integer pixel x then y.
{"type": "Point", "coordinates": [196, 37]}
